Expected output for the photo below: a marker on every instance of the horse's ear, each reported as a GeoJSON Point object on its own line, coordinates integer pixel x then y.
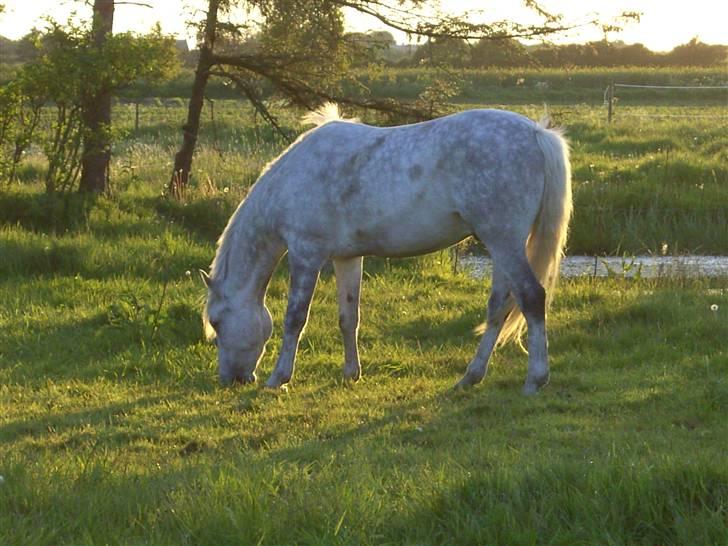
{"type": "Point", "coordinates": [206, 278]}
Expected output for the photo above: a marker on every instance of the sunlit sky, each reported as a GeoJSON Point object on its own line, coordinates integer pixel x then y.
{"type": "Point", "coordinates": [664, 23]}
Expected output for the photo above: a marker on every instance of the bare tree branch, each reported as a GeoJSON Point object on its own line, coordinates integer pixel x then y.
{"type": "Point", "coordinates": [141, 4]}
{"type": "Point", "coordinates": [455, 27]}
{"type": "Point", "coordinates": [248, 89]}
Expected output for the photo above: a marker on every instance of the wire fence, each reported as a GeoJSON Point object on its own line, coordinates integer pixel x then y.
{"type": "Point", "coordinates": [156, 115]}
{"type": "Point", "coordinates": [610, 99]}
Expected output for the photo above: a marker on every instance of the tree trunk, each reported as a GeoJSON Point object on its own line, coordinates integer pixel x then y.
{"type": "Point", "coordinates": [97, 112]}
{"type": "Point", "coordinates": [183, 158]}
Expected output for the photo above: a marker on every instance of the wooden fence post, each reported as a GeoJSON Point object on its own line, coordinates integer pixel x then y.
{"type": "Point", "coordinates": [211, 102]}
{"type": "Point", "coordinates": [610, 102]}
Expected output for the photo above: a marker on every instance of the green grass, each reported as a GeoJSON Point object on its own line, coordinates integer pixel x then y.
{"type": "Point", "coordinates": [562, 86]}
{"type": "Point", "coordinates": [514, 85]}
{"type": "Point", "coordinates": [650, 178]}
{"type": "Point", "coordinates": [113, 429]}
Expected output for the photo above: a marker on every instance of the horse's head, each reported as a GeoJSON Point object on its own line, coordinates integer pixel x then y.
{"type": "Point", "coordinates": [240, 330]}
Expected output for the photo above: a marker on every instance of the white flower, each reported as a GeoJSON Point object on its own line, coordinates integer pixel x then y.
{"type": "Point", "coordinates": [188, 273]}
{"type": "Point", "coordinates": [714, 307]}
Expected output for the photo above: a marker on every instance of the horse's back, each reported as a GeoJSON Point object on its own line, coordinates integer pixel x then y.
{"type": "Point", "coordinates": [409, 189]}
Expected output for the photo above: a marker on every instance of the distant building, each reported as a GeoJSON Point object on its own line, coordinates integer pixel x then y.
{"type": "Point", "coordinates": [182, 46]}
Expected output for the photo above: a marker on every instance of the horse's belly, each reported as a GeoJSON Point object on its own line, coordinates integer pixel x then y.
{"type": "Point", "coordinates": [405, 235]}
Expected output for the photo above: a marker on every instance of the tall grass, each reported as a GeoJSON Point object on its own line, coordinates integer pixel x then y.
{"type": "Point", "coordinates": [553, 86]}
{"type": "Point", "coordinates": [653, 179]}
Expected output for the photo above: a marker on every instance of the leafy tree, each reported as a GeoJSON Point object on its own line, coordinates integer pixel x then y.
{"type": "Point", "coordinates": [96, 104]}
{"type": "Point", "coordinates": [368, 47]}
{"type": "Point", "coordinates": [70, 70]}
{"type": "Point", "coordinates": [696, 53]}
{"type": "Point", "coordinates": [634, 55]}
{"type": "Point", "coordinates": [302, 53]}
{"type": "Point", "coordinates": [448, 51]}
{"type": "Point", "coordinates": [508, 52]}
{"type": "Point", "coordinates": [109, 63]}
{"type": "Point", "coordinates": [19, 117]}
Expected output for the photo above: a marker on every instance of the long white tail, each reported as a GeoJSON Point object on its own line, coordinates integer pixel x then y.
{"type": "Point", "coordinates": [546, 242]}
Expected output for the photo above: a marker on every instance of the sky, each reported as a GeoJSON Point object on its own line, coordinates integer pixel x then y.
{"type": "Point", "coordinates": [664, 23]}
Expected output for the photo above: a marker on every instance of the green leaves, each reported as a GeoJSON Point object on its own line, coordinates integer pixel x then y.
{"type": "Point", "coordinates": [68, 69]}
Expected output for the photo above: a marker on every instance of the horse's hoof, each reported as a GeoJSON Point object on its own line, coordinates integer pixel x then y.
{"type": "Point", "coordinates": [464, 383]}
{"type": "Point", "coordinates": [276, 382]}
{"type": "Point", "coordinates": [237, 379]}
{"type": "Point", "coordinates": [352, 375]}
{"type": "Point", "coordinates": [469, 380]}
{"type": "Point", "coordinates": [531, 388]}
{"type": "Point", "coordinates": [275, 388]}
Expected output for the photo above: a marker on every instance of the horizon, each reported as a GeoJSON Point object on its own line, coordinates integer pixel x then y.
{"type": "Point", "coordinates": [661, 27]}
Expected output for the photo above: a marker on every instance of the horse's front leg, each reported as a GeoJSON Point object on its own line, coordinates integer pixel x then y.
{"type": "Point", "coordinates": [304, 276]}
{"type": "Point", "coordinates": [348, 288]}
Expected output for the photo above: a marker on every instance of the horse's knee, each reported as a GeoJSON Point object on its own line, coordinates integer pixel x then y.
{"type": "Point", "coordinates": [348, 322]}
{"type": "Point", "coordinates": [533, 301]}
{"type": "Point", "coordinates": [496, 305]}
{"type": "Point", "coordinates": [296, 318]}
{"type": "Point", "coordinates": [497, 299]}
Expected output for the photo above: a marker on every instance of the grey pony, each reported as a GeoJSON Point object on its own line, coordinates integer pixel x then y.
{"type": "Point", "coordinates": [344, 190]}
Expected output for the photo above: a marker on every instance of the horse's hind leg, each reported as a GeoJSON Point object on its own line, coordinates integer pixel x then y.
{"type": "Point", "coordinates": [348, 287]}
{"type": "Point", "coordinates": [531, 298]}
{"type": "Point", "coordinates": [497, 302]}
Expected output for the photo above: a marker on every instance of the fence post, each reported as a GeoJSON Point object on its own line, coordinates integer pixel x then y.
{"type": "Point", "coordinates": [610, 102]}
{"type": "Point", "coordinates": [215, 144]}
{"type": "Point", "coordinates": [136, 116]}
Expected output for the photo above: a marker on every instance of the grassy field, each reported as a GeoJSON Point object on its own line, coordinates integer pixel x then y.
{"type": "Point", "coordinates": [113, 429]}
{"type": "Point", "coordinates": [652, 181]}
{"type": "Point", "coordinates": [492, 85]}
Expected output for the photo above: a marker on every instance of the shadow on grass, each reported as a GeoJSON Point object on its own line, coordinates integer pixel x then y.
{"type": "Point", "coordinates": [577, 503]}
{"type": "Point", "coordinates": [74, 349]}
{"type": "Point", "coordinates": [56, 424]}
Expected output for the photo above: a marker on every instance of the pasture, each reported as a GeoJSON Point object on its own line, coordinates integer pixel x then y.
{"type": "Point", "coordinates": [113, 429]}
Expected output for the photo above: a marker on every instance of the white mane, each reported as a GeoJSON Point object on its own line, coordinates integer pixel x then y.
{"type": "Point", "coordinates": [327, 112]}
{"type": "Point", "coordinates": [219, 268]}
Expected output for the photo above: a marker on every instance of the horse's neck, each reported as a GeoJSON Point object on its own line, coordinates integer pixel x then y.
{"type": "Point", "coordinates": [253, 256]}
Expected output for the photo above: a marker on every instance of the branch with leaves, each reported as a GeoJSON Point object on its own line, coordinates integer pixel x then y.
{"type": "Point", "coordinates": [299, 49]}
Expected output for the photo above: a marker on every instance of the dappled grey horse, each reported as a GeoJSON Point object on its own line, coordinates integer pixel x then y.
{"type": "Point", "coordinates": [344, 190]}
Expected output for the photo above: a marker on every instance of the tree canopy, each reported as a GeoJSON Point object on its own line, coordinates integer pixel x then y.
{"type": "Point", "coordinates": [64, 70]}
